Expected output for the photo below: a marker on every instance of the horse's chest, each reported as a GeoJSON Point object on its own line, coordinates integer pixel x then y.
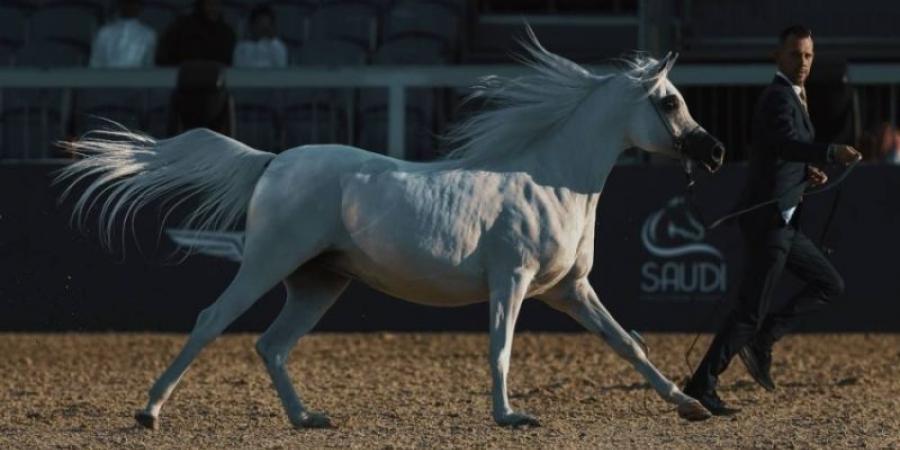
{"type": "Point", "coordinates": [546, 231]}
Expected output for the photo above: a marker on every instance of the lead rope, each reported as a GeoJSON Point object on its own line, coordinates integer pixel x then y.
{"type": "Point", "coordinates": [692, 208]}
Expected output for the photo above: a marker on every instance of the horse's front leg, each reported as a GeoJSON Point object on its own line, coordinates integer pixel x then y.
{"type": "Point", "coordinates": [581, 302]}
{"type": "Point", "coordinates": [507, 295]}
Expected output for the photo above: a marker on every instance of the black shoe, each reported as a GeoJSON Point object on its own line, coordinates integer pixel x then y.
{"type": "Point", "coordinates": [711, 401]}
{"type": "Point", "coordinates": [758, 363]}
{"type": "Point", "coordinates": [715, 405]}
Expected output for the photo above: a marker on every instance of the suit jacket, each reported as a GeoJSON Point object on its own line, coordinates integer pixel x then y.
{"type": "Point", "coordinates": [782, 146]}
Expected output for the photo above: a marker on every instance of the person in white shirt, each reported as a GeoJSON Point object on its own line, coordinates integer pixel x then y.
{"type": "Point", "coordinates": [124, 42]}
{"type": "Point", "coordinates": [893, 157]}
{"type": "Point", "coordinates": [887, 144]}
{"type": "Point", "coordinates": [263, 48]}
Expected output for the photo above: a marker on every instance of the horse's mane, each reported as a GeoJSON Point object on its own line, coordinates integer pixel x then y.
{"type": "Point", "coordinates": [526, 108]}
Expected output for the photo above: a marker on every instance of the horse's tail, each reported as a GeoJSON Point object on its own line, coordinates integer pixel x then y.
{"type": "Point", "coordinates": [125, 171]}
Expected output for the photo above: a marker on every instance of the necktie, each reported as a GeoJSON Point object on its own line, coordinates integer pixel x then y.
{"type": "Point", "coordinates": [803, 99]}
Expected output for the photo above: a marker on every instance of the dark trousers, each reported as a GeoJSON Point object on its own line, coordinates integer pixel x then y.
{"type": "Point", "coordinates": [772, 246]}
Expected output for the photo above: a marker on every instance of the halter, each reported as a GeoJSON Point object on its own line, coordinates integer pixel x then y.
{"type": "Point", "coordinates": [678, 144]}
{"type": "Point", "coordinates": [687, 164]}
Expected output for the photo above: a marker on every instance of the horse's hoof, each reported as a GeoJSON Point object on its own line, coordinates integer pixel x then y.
{"type": "Point", "coordinates": [693, 411]}
{"type": "Point", "coordinates": [313, 420]}
{"type": "Point", "coordinates": [146, 420]}
{"type": "Point", "coordinates": [517, 420]}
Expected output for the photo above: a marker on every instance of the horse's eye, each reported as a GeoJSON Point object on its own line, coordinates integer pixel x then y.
{"type": "Point", "coordinates": [670, 103]}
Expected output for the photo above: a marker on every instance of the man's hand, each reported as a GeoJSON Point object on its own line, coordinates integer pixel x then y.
{"type": "Point", "coordinates": [846, 154]}
{"type": "Point", "coordinates": [815, 176]}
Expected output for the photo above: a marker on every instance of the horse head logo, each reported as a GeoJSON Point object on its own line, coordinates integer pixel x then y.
{"type": "Point", "coordinates": [674, 231]}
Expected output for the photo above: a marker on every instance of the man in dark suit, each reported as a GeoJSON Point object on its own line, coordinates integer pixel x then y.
{"type": "Point", "coordinates": [781, 166]}
{"type": "Point", "coordinates": [201, 35]}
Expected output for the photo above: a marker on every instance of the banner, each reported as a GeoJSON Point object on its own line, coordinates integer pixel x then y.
{"type": "Point", "coordinates": [656, 267]}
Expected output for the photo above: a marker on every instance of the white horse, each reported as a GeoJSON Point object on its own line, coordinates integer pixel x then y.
{"type": "Point", "coordinates": [509, 216]}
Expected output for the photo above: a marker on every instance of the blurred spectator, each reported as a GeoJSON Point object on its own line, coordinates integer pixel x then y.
{"type": "Point", "coordinates": [200, 35]}
{"type": "Point", "coordinates": [882, 143]}
{"type": "Point", "coordinates": [893, 156]}
{"type": "Point", "coordinates": [263, 48]}
{"type": "Point", "coordinates": [124, 42]}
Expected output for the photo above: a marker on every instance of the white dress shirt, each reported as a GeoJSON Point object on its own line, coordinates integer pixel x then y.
{"type": "Point", "coordinates": [124, 43]}
{"type": "Point", "coordinates": [261, 53]}
{"type": "Point", "coordinates": [797, 89]}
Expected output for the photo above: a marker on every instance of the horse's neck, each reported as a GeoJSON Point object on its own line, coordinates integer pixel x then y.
{"type": "Point", "coordinates": [579, 156]}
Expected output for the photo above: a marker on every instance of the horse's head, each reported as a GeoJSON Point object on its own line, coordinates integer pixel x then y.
{"type": "Point", "coordinates": [661, 122]}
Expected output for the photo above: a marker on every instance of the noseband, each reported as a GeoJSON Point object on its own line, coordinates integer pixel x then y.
{"type": "Point", "coordinates": [678, 144]}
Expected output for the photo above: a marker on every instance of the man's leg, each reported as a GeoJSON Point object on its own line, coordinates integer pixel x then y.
{"type": "Point", "coordinates": [824, 284]}
{"type": "Point", "coordinates": [765, 262]}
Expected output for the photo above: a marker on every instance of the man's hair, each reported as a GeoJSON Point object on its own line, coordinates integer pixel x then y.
{"type": "Point", "coordinates": [796, 31]}
{"type": "Point", "coordinates": [260, 11]}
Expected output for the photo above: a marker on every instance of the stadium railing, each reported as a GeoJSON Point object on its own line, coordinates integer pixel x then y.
{"type": "Point", "coordinates": [397, 79]}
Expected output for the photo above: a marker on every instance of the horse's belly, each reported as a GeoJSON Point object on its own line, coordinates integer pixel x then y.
{"type": "Point", "coordinates": [417, 236]}
{"type": "Point", "coordinates": [439, 286]}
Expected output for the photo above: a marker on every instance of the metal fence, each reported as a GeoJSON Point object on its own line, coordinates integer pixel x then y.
{"type": "Point", "coordinates": [40, 106]}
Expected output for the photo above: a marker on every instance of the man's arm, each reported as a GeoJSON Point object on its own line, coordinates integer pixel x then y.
{"type": "Point", "coordinates": [781, 133]}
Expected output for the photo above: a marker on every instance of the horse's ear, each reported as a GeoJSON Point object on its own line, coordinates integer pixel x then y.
{"type": "Point", "coordinates": [666, 64]}
{"type": "Point", "coordinates": [673, 56]}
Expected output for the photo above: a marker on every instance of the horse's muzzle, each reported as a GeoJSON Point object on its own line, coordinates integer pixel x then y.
{"type": "Point", "coordinates": [705, 149]}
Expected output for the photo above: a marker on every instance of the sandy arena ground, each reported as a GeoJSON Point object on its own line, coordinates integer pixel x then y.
{"type": "Point", "coordinates": [432, 390]}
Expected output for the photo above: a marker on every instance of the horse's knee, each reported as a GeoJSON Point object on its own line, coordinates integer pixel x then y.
{"type": "Point", "coordinates": [633, 351]}
{"type": "Point", "coordinates": [499, 358]}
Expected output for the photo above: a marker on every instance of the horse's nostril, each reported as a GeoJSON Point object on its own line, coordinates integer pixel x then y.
{"type": "Point", "coordinates": [718, 153]}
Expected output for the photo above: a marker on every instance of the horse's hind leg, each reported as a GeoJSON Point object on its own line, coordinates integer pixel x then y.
{"type": "Point", "coordinates": [310, 292]}
{"type": "Point", "coordinates": [262, 268]}
{"type": "Point", "coordinates": [584, 306]}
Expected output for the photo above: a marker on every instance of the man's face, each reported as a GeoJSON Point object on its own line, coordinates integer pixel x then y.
{"type": "Point", "coordinates": [794, 58]}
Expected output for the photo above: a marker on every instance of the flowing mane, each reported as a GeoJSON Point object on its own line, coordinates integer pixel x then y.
{"type": "Point", "coordinates": [528, 107]}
